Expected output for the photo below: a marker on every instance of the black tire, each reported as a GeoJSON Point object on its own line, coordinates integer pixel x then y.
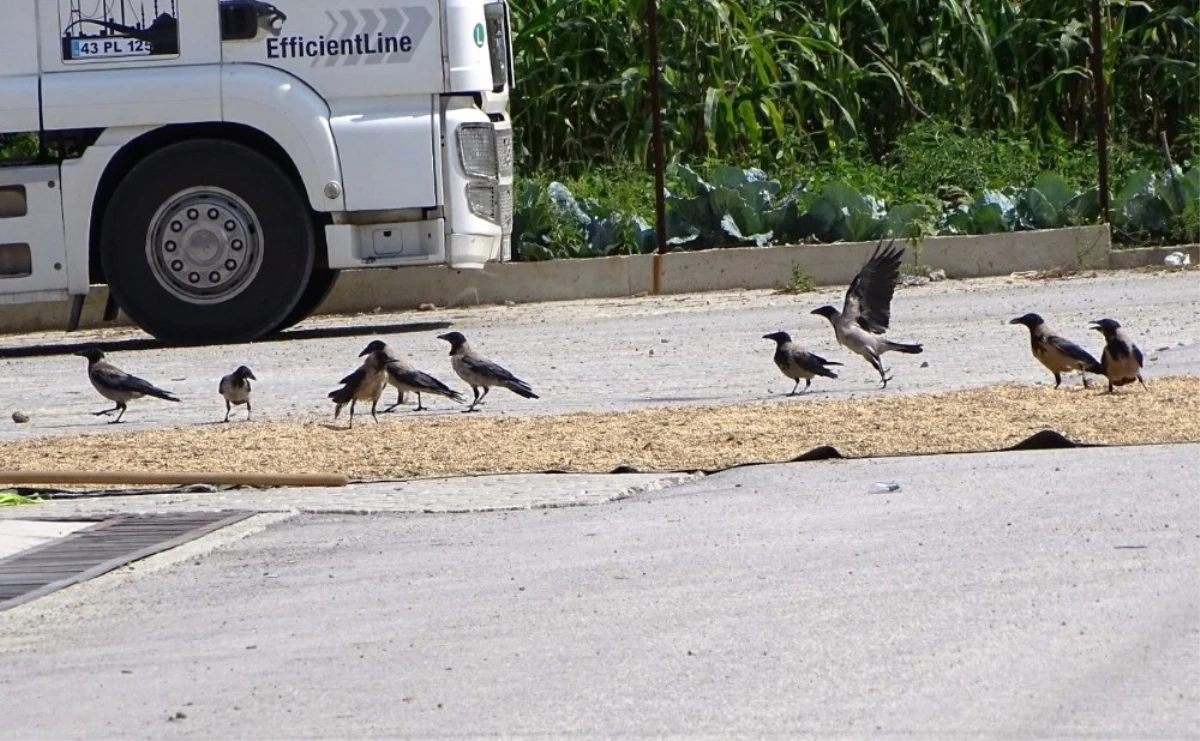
{"type": "Point", "coordinates": [319, 287]}
{"type": "Point", "coordinates": [276, 260]}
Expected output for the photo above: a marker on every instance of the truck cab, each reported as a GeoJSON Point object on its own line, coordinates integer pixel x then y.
{"type": "Point", "coordinates": [217, 162]}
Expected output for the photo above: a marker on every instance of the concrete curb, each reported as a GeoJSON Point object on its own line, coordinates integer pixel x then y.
{"type": "Point", "coordinates": [358, 291]}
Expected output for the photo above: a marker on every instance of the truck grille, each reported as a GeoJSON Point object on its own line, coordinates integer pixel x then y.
{"type": "Point", "coordinates": [504, 152]}
{"type": "Point", "coordinates": [505, 203]}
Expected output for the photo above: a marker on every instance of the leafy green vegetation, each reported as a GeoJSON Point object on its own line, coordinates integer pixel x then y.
{"type": "Point", "coordinates": [746, 207]}
{"type": "Point", "coordinates": [780, 83]}
{"type": "Point", "coordinates": [18, 147]}
{"type": "Point", "coordinates": [798, 282]}
{"type": "Point", "coordinates": [9, 498]}
{"type": "Point", "coordinates": [936, 116]}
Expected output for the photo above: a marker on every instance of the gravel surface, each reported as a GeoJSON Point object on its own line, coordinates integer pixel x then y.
{"type": "Point", "coordinates": [661, 439]}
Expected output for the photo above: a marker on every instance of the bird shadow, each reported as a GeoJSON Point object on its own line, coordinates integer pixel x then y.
{"type": "Point", "coordinates": [137, 343]}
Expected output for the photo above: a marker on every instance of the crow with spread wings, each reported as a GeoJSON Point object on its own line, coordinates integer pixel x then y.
{"type": "Point", "coordinates": [866, 313]}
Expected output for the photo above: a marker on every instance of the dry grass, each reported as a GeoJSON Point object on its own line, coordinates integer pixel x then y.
{"type": "Point", "coordinates": [651, 440]}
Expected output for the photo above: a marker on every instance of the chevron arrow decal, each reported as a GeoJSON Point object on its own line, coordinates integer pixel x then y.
{"type": "Point", "coordinates": [366, 36]}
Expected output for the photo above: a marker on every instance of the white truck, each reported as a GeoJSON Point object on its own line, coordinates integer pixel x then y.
{"type": "Point", "coordinates": [217, 162]}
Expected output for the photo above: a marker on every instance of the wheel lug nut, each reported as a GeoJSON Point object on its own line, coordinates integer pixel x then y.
{"type": "Point", "coordinates": [193, 214]}
{"type": "Point", "coordinates": [177, 265]}
{"type": "Point", "coordinates": [176, 227]}
{"type": "Point", "coordinates": [193, 277]}
{"type": "Point", "coordinates": [231, 264]}
{"type": "Point", "coordinates": [229, 225]}
{"type": "Point", "coordinates": [212, 214]}
{"type": "Point", "coordinates": [236, 244]}
{"type": "Point", "coordinates": [214, 277]}
{"type": "Point", "coordinates": [170, 246]}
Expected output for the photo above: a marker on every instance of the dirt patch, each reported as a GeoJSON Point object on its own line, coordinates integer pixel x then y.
{"type": "Point", "coordinates": [411, 445]}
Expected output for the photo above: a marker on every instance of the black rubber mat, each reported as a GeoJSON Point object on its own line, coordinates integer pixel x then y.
{"type": "Point", "coordinates": [111, 543]}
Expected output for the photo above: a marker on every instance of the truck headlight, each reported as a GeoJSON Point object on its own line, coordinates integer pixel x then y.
{"type": "Point", "coordinates": [492, 201]}
{"type": "Point", "coordinates": [477, 150]}
{"type": "Point", "coordinates": [496, 16]}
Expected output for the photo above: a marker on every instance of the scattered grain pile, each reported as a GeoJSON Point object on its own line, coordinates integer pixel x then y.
{"type": "Point", "coordinates": [416, 445]}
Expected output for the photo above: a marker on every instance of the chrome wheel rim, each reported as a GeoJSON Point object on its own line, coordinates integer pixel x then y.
{"type": "Point", "coordinates": [204, 245]}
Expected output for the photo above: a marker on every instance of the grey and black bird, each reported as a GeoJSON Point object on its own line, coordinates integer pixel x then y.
{"type": "Point", "coordinates": [1056, 352]}
{"type": "Point", "coordinates": [235, 387]}
{"type": "Point", "coordinates": [1121, 362]}
{"type": "Point", "coordinates": [866, 312]}
{"type": "Point", "coordinates": [366, 383]}
{"type": "Point", "coordinates": [116, 385]}
{"type": "Point", "coordinates": [481, 373]}
{"type": "Point", "coordinates": [797, 363]}
{"type": "Point", "coordinates": [406, 378]}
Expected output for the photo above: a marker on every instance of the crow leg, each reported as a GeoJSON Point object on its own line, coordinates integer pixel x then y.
{"type": "Point", "coordinates": [352, 402]}
{"type": "Point", "coordinates": [399, 401]}
{"type": "Point", "coordinates": [475, 401]}
{"type": "Point", "coordinates": [1083, 375]}
{"type": "Point", "coordinates": [374, 403]}
{"type": "Point", "coordinates": [249, 411]}
{"type": "Point", "coordinates": [122, 414]}
{"type": "Point", "coordinates": [878, 365]}
{"type": "Point", "coordinates": [419, 407]}
{"type": "Point", "coordinates": [228, 407]}
{"type": "Point", "coordinates": [486, 389]}
{"type": "Point", "coordinates": [1139, 377]}
{"type": "Point", "coordinates": [1057, 379]}
{"type": "Point", "coordinates": [807, 383]}
{"type": "Point", "coordinates": [106, 412]}
{"type": "Point", "coordinates": [793, 392]}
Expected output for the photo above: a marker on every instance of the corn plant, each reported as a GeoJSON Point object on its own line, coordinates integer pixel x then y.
{"type": "Point", "coordinates": [772, 82]}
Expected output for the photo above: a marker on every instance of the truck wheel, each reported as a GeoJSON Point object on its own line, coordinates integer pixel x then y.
{"type": "Point", "coordinates": [207, 241]}
{"type": "Point", "coordinates": [319, 286]}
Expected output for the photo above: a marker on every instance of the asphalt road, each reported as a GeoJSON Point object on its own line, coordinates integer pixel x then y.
{"type": "Point", "coordinates": [617, 354]}
{"type": "Point", "coordinates": [1004, 595]}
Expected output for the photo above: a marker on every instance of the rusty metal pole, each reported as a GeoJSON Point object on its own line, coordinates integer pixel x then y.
{"type": "Point", "coordinates": [1101, 106]}
{"type": "Point", "coordinates": [656, 145]}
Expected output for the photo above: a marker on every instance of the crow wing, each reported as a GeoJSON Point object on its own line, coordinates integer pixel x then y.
{"type": "Point", "coordinates": [349, 384]}
{"type": "Point", "coordinates": [1070, 349]}
{"type": "Point", "coordinates": [354, 377]}
{"type": "Point", "coordinates": [420, 381]}
{"type": "Point", "coordinates": [116, 379]}
{"type": "Point", "coordinates": [485, 367]}
{"type": "Point", "coordinates": [869, 298]}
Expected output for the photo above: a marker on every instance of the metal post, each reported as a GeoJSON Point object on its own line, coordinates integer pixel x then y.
{"type": "Point", "coordinates": [1101, 106]}
{"type": "Point", "coordinates": [656, 145]}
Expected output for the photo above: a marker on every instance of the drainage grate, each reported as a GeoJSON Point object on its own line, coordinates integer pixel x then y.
{"type": "Point", "coordinates": [111, 543]}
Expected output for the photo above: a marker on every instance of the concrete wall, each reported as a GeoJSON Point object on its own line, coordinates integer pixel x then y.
{"type": "Point", "coordinates": [681, 272]}
{"type": "Point", "coordinates": [1128, 259]}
